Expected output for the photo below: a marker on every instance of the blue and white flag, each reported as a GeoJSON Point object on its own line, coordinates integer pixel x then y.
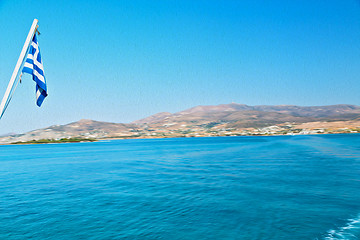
{"type": "Point", "coordinates": [33, 66]}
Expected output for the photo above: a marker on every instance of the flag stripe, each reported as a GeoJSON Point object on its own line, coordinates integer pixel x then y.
{"type": "Point", "coordinates": [33, 65]}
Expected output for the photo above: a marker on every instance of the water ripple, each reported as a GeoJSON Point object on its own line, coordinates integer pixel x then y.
{"type": "Point", "coordinates": [291, 187]}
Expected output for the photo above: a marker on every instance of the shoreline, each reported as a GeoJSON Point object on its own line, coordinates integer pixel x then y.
{"type": "Point", "coordinates": [245, 135]}
{"type": "Point", "coordinates": [36, 142]}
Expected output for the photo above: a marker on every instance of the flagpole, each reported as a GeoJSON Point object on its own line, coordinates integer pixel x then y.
{"type": "Point", "coordinates": [18, 65]}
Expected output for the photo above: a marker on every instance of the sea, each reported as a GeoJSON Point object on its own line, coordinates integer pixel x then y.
{"type": "Point", "coordinates": [246, 187]}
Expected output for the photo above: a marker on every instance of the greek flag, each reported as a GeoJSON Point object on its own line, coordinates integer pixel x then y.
{"type": "Point", "coordinates": [33, 66]}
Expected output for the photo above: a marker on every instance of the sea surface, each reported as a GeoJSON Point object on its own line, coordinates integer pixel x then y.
{"type": "Point", "coordinates": [278, 187]}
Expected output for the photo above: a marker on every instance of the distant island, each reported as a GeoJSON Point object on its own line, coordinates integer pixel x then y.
{"type": "Point", "coordinates": [204, 121]}
{"type": "Point", "coordinates": [63, 140]}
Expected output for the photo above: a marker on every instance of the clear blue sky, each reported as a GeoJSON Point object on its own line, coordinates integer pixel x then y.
{"type": "Point", "coordinates": [119, 61]}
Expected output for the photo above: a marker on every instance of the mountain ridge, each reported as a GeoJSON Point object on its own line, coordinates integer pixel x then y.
{"type": "Point", "coordinates": [328, 111]}
{"type": "Point", "coordinates": [208, 120]}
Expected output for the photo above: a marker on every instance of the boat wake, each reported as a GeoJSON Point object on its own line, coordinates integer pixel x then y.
{"type": "Point", "coordinates": [349, 232]}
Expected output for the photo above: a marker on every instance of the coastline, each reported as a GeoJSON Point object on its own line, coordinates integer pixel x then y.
{"type": "Point", "coordinates": [51, 141]}
{"type": "Point", "coordinates": [235, 135]}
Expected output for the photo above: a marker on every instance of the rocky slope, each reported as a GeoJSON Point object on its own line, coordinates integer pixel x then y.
{"type": "Point", "coordinates": [224, 119]}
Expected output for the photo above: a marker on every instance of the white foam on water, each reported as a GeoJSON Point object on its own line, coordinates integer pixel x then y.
{"type": "Point", "coordinates": [346, 232]}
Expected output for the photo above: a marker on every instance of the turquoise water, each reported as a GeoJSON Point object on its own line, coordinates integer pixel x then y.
{"type": "Point", "coordinates": [284, 187]}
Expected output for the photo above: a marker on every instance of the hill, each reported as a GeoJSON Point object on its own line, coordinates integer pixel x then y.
{"type": "Point", "coordinates": [331, 112]}
{"type": "Point", "coordinates": [218, 120]}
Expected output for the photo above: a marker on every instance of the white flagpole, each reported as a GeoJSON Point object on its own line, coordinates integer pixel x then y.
{"type": "Point", "coordinates": [18, 65]}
